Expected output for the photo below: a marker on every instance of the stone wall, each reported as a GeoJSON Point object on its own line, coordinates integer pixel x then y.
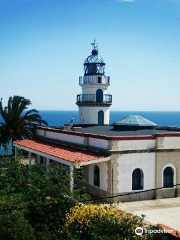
{"type": "Point", "coordinates": [136, 196]}
{"type": "Point", "coordinates": [164, 159]}
{"type": "Point", "coordinates": [96, 191]}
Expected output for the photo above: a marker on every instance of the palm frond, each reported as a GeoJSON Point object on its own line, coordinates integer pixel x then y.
{"type": "Point", "coordinates": [18, 125]}
{"type": "Point", "coordinates": [31, 111]}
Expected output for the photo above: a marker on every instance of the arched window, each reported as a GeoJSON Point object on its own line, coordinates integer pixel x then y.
{"type": "Point", "coordinates": [96, 176]}
{"type": "Point", "coordinates": [168, 177]}
{"type": "Point", "coordinates": [137, 179]}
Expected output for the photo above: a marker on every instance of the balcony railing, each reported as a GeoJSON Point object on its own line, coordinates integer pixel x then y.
{"type": "Point", "coordinates": [94, 80]}
{"type": "Point", "coordinates": [93, 98]}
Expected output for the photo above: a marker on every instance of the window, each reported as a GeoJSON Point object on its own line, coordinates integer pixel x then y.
{"type": "Point", "coordinates": [96, 176]}
{"type": "Point", "coordinates": [168, 177]}
{"type": "Point", "coordinates": [137, 179]}
{"type": "Point", "coordinates": [99, 79]}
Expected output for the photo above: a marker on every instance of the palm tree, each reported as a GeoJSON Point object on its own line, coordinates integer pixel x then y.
{"type": "Point", "coordinates": [18, 122]}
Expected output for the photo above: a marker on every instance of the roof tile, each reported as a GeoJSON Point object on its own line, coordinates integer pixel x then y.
{"type": "Point", "coordinates": [62, 152]}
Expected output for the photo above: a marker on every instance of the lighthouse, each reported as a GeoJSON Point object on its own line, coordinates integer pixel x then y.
{"type": "Point", "coordinates": [94, 102]}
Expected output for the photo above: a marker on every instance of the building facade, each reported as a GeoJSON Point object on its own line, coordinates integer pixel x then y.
{"type": "Point", "coordinates": [147, 165]}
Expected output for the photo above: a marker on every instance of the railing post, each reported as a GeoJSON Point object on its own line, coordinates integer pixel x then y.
{"type": "Point", "coordinates": [30, 159]}
{"type": "Point", "coordinates": [16, 153]}
{"type": "Point", "coordinates": [47, 164]}
{"type": "Point", "coordinates": [71, 178]}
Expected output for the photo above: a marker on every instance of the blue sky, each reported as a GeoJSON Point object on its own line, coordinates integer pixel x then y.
{"type": "Point", "coordinates": [43, 44]}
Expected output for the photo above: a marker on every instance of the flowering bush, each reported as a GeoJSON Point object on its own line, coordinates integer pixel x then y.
{"type": "Point", "coordinates": [93, 222]}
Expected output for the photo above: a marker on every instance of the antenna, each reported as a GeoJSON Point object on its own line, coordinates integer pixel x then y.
{"type": "Point", "coordinates": [95, 44]}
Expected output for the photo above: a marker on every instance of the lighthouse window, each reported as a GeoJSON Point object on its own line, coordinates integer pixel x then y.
{"type": "Point", "coordinates": [99, 79]}
{"type": "Point", "coordinates": [96, 176]}
{"type": "Point", "coordinates": [168, 177]}
{"type": "Point", "coordinates": [137, 179]}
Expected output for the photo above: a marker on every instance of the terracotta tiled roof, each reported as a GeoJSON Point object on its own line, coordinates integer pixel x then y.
{"type": "Point", "coordinates": [55, 150]}
{"type": "Point", "coordinates": [174, 232]}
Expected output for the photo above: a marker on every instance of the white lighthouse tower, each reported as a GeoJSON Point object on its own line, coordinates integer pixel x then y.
{"type": "Point", "coordinates": [94, 102]}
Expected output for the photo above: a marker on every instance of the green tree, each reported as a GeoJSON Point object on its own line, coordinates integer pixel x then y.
{"type": "Point", "coordinates": [39, 200]}
{"type": "Point", "coordinates": [18, 122]}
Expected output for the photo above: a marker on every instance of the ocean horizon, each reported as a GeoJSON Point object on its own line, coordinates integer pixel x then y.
{"type": "Point", "coordinates": [162, 118]}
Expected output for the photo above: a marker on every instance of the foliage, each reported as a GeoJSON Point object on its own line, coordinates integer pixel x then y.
{"type": "Point", "coordinates": [40, 198]}
{"type": "Point", "coordinates": [93, 222]}
{"type": "Point", "coordinates": [37, 204]}
{"type": "Point", "coordinates": [17, 124]}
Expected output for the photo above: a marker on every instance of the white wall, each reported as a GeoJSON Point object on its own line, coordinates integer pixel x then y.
{"type": "Point", "coordinates": [94, 80]}
{"type": "Point", "coordinates": [65, 137]}
{"type": "Point", "coordinates": [89, 115]}
{"type": "Point", "coordinates": [135, 144]}
{"type": "Point", "coordinates": [40, 132]}
{"type": "Point", "coordinates": [103, 175]}
{"type": "Point", "coordinates": [94, 142]}
{"type": "Point", "coordinates": [128, 163]}
{"type": "Point", "coordinates": [92, 89]}
{"type": "Point", "coordinates": [100, 143]}
{"type": "Point", "coordinates": [61, 136]}
{"type": "Point", "coordinates": [171, 142]}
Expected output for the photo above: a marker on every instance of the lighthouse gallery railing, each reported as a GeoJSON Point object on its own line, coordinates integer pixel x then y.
{"type": "Point", "coordinates": [92, 98]}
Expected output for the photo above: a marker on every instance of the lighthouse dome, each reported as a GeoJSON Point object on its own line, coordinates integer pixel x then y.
{"type": "Point", "coordinates": [94, 58]}
{"type": "Point", "coordinates": [94, 64]}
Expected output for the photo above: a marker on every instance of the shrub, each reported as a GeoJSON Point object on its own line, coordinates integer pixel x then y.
{"type": "Point", "coordinates": [93, 222]}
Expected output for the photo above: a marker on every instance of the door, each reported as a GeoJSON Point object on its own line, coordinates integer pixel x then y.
{"type": "Point", "coordinates": [101, 118]}
{"type": "Point", "coordinates": [99, 95]}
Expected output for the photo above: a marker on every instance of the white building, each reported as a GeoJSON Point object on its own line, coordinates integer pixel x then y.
{"type": "Point", "coordinates": [132, 156]}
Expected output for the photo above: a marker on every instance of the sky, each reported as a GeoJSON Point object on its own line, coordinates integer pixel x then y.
{"type": "Point", "coordinates": [43, 44]}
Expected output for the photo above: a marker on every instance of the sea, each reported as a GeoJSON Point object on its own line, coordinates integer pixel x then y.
{"type": "Point", "coordinates": [162, 118]}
